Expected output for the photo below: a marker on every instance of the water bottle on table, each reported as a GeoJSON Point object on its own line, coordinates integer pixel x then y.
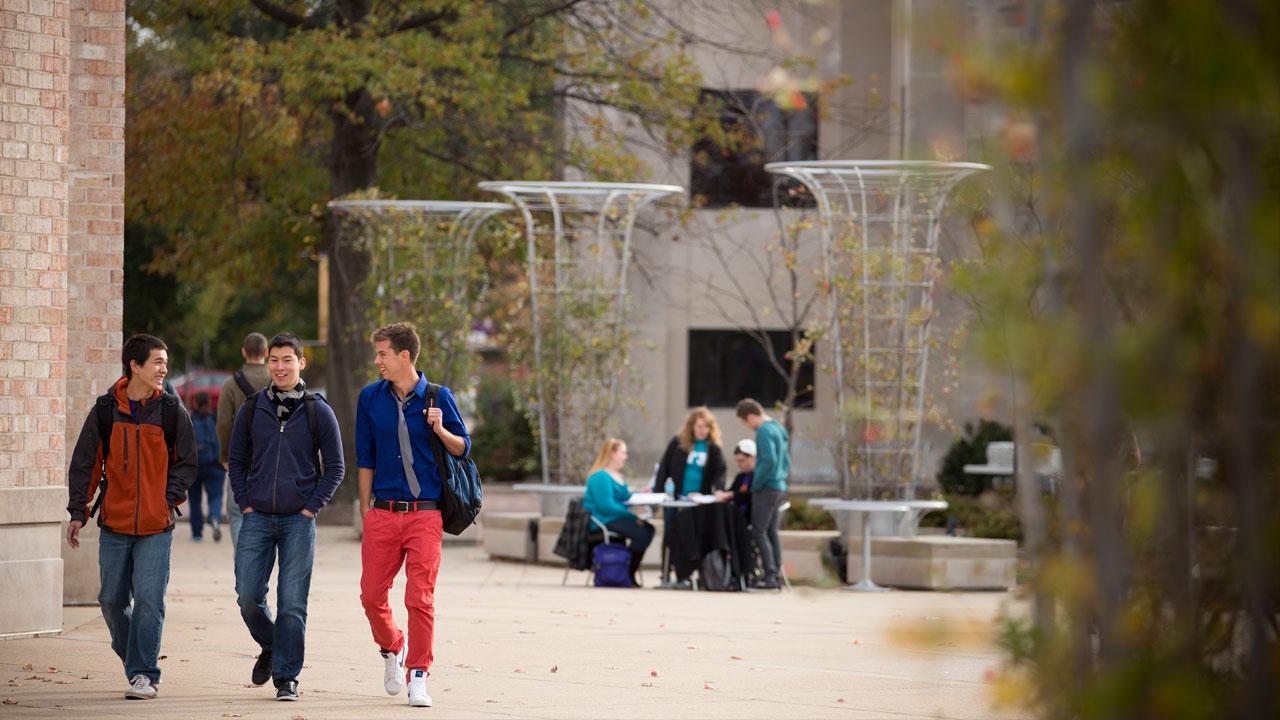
{"type": "Point", "coordinates": [669, 487]}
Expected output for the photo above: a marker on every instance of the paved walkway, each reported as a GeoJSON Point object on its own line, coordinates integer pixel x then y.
{"type": "Point", "coordinates": [513, 643]}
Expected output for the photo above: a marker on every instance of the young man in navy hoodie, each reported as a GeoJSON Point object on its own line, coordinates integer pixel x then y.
{"type": "Point", "coordinates": [284, 464]}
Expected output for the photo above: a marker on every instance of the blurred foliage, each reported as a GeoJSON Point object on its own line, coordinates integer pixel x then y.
{"type": "Point", "coordinates": [803, 516]}
{"type": "Point", "coordinates": [506, 451]}
{"type": "Point", "coordinates": [970, 449]}
{"type": "Point", "coordinates": [1128, 285]}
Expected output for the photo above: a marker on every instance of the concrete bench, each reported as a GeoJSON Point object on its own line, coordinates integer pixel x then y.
{"type": "Point", "coordinates": [511, 535]}
{"type": "Point", "coordinates": [938, 562]}
{"type": "Point", "coordinates": [802, 552]}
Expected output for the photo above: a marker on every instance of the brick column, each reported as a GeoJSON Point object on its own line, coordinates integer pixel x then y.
{"type": "Point", "coordinates": [95, 237]}
{"type": "Point", "coordinates": [34, 49]}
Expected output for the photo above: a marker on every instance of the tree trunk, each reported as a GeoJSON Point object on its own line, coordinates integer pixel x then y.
{"type": "Point", "coordinates": [353, 166]}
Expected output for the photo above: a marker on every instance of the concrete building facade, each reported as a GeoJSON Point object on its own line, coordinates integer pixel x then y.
{"type": "Point", "coordinates": [61, 283]}
{"type": "Point", "coordinates": [898, 102]}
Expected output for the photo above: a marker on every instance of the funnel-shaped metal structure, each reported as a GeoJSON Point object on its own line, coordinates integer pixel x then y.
{"type": "Point", "coordinates": [880, 222]}
{"type": "Point", "coordinates": [422, 268]}
{"type": "Point", "coordinates": [579, 249]}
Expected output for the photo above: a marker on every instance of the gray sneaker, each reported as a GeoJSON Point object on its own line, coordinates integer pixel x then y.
{"type": "Point", "coordinates": [140, 688]}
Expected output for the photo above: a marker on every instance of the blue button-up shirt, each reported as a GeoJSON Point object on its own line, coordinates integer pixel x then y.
{"type": "Point", "coordinates": [378, 439]}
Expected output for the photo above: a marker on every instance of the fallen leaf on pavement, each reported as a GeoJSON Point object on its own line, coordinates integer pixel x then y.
{"type": "Point", "coordinates": [646, 684]}
{"type": "Point", "coordinates": [164, 657]}
{"type": "Point", "coordinates": [86, 677]}
{"type": "Point", "coordinates": [519, 670]}
{"type": "Point", "coordinates": [232, 714]}
{"type": "Point", "coordinates": [555, 668]}
{"type": "Point", "coordinates": [9, 701]}
{"type": "Point", "coordinates": [735, 657]}
{"type": "Point", "coordinates": [28, 667]}
{"type": "Point", "coordinates": [857, 642]}
{"type": "Point", "coordinates": [708, 686]}
{"type": "Point", "coordinates": [839, 700]}
{"type": "Point", "coordinates": [51, 669]}
{"type": "Point", "coordinates": [692, 647]}
{"type": "Point", "coordinates": [654, 673]}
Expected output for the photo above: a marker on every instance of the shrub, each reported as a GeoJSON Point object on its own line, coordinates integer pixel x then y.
{"type": "Point", "coordinates": [503, 439]}
{"type": "Point", "coordinates": [969, 449]}
{"type": "Point", "coordinates": [800, 516]}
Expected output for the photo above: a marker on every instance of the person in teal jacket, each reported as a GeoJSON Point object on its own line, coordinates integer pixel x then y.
{"type": "Point", "coordinates": [768, 487]}
{"type": "Point", "coordinates": [606, 500]}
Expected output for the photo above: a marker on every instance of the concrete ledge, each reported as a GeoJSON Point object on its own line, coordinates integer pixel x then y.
{"type": "Point", "coordinates": [938, 562]}
{"type": "Point", "coordinates": [23, 505]}
{"type": "Point", "coordinates": [802, 552]}
{"type": "Point", "coordinates": [31, 594]}
{"type": "Point", "coordinates": [511, 535]}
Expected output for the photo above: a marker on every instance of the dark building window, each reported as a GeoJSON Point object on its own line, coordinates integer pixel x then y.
{"type": "Point", "coordinates": [728, 365]}
{"type": "Point", "coordinates": [757, 131]}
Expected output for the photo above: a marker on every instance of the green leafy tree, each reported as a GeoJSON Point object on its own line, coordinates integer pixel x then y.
{"type": "Point", "coordinates": [1130, 276]}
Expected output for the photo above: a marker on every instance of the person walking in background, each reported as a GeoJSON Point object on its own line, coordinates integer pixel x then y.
{"type": "Point", "coordinates": [606, 499]}
{"type": "Point", "coordinates": [398, 421]}
{"type": "Point", "coordinates": [694, 459]}
{"type": "Point", "coordinates": [243, 384]}
{"type": "Point", "coordinates": [211, 477]}
{"type": "Point", "coordinates": [137, 448]}
{"type": "Point", "coordinates": [768, 487]}
{"type": "Point", "coordinates": [285, 465]}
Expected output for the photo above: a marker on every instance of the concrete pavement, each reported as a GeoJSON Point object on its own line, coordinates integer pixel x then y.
{"type": "Point", "coordinates": [512, 642]}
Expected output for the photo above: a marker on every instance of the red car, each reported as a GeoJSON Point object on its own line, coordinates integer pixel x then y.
{"type": "Point", "coordinates": [206, 381]}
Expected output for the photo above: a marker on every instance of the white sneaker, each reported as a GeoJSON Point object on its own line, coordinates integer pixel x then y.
{"type": "Point", "coordinates": [393, 672]}
{"type": "Point", "coordinates": [418, 696]}
{"type": "Point", "coordinates": [140, 688]}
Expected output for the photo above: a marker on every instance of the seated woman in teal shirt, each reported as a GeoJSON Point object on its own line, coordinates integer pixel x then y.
{"type": "Point", "coordinates": [606, 500]}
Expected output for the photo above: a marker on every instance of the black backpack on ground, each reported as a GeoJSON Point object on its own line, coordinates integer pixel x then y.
{"type": "Point", "coordinates": [102, 412]}
{"type": "Point", "coordinates": [460, 490]}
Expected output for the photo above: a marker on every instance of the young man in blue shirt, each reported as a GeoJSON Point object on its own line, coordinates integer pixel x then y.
{"type": "Point", "coordinates": [400, 486]}
{"type": "Point", "coordinates": [768, 487]}
{"type": "Point", "coordinates": [280, 485]}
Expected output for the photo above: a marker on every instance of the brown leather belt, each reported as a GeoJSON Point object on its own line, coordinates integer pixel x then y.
{"type": "Point", "coordinates": [405, 506]}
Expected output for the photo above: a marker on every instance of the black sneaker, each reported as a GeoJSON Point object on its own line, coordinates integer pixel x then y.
{"type": "Point", "coordinates": [287, 690]}
{"type": "Point", "coordinates": [217, 531]}
{"type": "Point", "coordinates": [262, 668]}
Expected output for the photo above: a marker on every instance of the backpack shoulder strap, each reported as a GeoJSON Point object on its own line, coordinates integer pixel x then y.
{"type": "Point", "coordinates": [437, 447]}
{"type": "Point", "coordinates": [102, 411]}
{"type": "Point", "coordinates": [169, 420]}
{"type": "Point", "coordinates": [313, 426]}
{"type": "Point", "coordinates": [243, 382]}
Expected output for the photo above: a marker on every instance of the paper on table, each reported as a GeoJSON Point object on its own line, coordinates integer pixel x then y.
{"type": "Point", "coordinates": [700, 498]}
{"type": "Point", "coordinates": [646, 498]}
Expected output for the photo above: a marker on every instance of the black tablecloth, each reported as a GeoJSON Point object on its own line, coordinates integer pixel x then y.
{"type": "Point", "coordinates": [700, 529]}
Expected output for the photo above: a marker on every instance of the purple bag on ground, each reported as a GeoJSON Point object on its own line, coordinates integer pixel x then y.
{"type": "Point", "coordinates": [611, 565]}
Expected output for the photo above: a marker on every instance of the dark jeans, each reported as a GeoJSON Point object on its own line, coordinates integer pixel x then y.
{"type": "Point", "coordinates": [764, 530]}
{"type": "Point", "coordinates": [134, 572]}
{"type": "Point", "coordinates": [210, 481]}
{"type": "Point", "coordinates": [261, 537]}
{"type": "Point", "coordinates": [638, 535]}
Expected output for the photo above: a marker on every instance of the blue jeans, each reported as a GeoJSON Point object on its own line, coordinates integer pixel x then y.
{"type": "Point", "coordinates": [234, 518]}
{"type": "Point", "coordinates": [210, 480]}
{"type": "Point", "coordinates": [294, 538]}
{"type": "Point", "coordinates": [134, 573]}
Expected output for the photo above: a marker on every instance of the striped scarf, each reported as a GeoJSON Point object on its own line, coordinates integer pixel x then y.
{"type": "Point", "coordinates": [286, 401]}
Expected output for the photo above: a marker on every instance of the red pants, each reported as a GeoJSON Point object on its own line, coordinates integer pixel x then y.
{"type": "Point", "coordinates": [390, 540]}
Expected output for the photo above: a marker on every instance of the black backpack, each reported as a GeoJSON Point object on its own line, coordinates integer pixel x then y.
{"type": "Point", "coordinates": [102, 411]}
{"type": "Point", "coordinates": [243, 382]}
{"type": "Point", "coordinates": [460, 490]}
{"type": "Point", "coordinates": [308, 405]}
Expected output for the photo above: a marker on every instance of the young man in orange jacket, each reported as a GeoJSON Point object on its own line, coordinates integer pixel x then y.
{"type": "Point", "coordinates": [144, 462]}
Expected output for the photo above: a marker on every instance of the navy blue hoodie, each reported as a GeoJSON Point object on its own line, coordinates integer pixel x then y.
{"type": "Point", "coordinates": [281, 476]}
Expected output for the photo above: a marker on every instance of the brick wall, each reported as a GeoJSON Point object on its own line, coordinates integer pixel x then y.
{"type": "Point", "coordinates": [61, 282]}
{"type": "Point", "coordinates": [34, 49]}
{"type": "Point", "coordinates": [95, 194]}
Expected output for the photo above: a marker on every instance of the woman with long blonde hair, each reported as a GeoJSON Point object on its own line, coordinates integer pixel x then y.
{"type": "Point", "coordinates": [694, 459]}
{"type": "Point", "coordinates": [606, 500]}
